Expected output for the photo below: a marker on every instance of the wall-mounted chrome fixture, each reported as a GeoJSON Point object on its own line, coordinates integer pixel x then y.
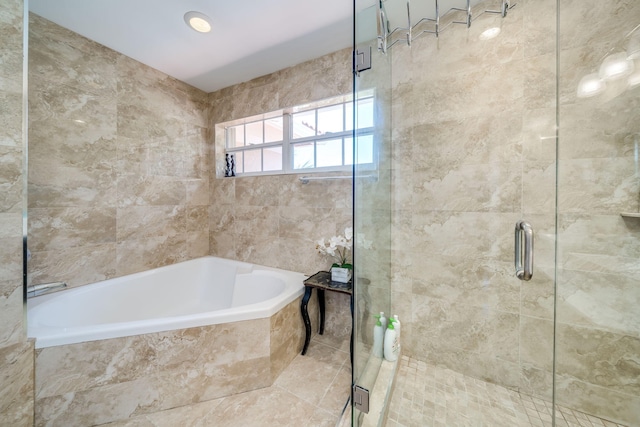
{"type": "Point", "coordinates": [388, 38]}
{"type": "Point", "coordinates": [43, 288]}
{"type": "Point", "coordinates": [307, 179]}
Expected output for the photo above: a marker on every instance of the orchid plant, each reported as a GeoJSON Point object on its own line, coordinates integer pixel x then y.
{"type": "Point", "coordinates": [338, 247]}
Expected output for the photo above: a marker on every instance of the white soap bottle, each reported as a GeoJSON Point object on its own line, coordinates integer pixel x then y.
{"type": "Point", "coordinates": [398, 326]}
{"type": "Point", "coordinates": [383, 321]}
{"type": "Point", "coordinates": [378, 337]}
{"type": "Point", "coordinates": [391, 343]}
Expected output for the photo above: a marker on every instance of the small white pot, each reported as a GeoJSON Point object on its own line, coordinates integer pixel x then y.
{"type": "Point", "coordinates": [339, 274]}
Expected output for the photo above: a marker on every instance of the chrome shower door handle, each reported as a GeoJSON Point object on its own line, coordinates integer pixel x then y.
{"type": "Point", "coordinates": [524, 250]}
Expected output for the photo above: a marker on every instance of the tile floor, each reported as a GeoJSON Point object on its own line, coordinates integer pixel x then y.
{"type": "Point", "coordinates": [428, 396]}
{"type": "Point", "coordinates": [312, 391]}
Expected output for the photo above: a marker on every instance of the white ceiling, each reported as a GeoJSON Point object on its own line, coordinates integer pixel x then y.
{"type": "Point", "coordinates": [250, 38]}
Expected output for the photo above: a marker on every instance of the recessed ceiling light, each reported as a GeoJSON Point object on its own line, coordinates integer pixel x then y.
{"type": "Point", "coordinates": [198, 21]}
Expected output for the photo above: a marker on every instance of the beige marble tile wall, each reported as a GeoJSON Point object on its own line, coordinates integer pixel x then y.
{"type": "Point", "coordinates": [275, 220]}
{"type": "Point", "coordinates": [16, 353]}
{"type": "Point", "coordinates": [116, 379]}
{"type": "Point", "coordinates": [118, 178]}
{"type": "Point", "coordinates": [474, 150]}
{"type": "Point", "coordinates": [470, 121]}
{"type": "Point", "coordinates": [598, 331]}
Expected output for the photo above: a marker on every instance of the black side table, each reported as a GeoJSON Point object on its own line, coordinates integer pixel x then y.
{"type": "Point", "coordinates": [322, 282]}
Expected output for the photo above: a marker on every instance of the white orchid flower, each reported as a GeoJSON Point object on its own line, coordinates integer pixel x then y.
{"type": "Point", "coordinates": [337, 246]}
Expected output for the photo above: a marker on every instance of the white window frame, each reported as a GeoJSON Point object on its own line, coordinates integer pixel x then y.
{"type": "Point", "coordinates": [287, 142]}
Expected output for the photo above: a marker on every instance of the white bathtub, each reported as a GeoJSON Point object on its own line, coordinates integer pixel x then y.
{"type": "Point", "coordinates": [203, 291]}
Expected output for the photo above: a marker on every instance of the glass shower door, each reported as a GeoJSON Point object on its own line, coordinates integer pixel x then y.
{"type": "Point", "coordinates": [471, 152]}
{"type": "Point", "coordinates": [372, 205]}
{"type": "Point", "coordinates": [495, 119]}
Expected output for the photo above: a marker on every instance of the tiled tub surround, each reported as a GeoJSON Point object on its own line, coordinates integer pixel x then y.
{"type": "Point", "coordinates": [311, 391]}
{"type": "Point", "coordinates": [135, 188]}
{"type": "Point", "coordinates": [474, 152]}
{"type": "Point", "coordinates": [276, 220]}
{"type": "Point", "coordinates": [118, 161]}
{"type": "Point", "coordinates": [103, 381]}
{"type": "Point", "coordinates": [151, 136]}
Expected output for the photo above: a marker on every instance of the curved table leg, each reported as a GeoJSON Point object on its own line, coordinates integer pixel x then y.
{"type": "Point", "coordinates": [305, 317]}
{"type": "Point", "coordinates": [321, 309]}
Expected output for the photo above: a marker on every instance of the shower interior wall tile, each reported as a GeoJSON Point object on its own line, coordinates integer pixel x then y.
{"type": "Point", "coordinates": [598, 323]}
{"type": "Point", "coordinates": [444, 279]}
{"type": "Point", "coordinates": [598, 300]}
{"type": "Point", "coordinates": [593, 399]}
{"type": "Point", "coordinates": [536, 356]}
{"type": "Point", "coordinates": [601, 358]}
{"type": "Point", "coordinates": [619, 15]}
{"type": "Point", "coordinates": [539, 134]}
{"type": "Point", "coordinates": [539, 27]}
{"type": "Point", "coordinates": [464, 117]}
{"type": "Point", "coordinates": [597, 131]}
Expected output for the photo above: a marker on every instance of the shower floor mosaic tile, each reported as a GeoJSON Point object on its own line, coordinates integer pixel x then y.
{"type": "Point", "coordinates": [312, 391]}
{"type": "Point", "coordinates": [428, 396]}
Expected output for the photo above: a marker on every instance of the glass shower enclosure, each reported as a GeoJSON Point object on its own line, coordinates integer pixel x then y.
{"type": "Point", "coordinates": [492, 117]}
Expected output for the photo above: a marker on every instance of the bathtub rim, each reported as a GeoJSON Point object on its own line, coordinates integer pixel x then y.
{"type": "Point", "coordinates": [44, 337]}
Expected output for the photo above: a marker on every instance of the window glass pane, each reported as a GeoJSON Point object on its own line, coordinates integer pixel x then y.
{"type": "Point", "coordinates": [348, 116]}
{"type": "Point", "coordinates": [304, 124]}
{"type": "Point", "coordinates": [329, 152]}
{"type": "Point", "coordinates": [272, 158]}
{"type": "Point", "coordinates": [239, 162]}
{"type": "Point", "coordinates": [254, 133]}
{"type": "Point", "coordinates": [330, 119]}
{"type": "Point", "coordinates": [235, 136]}
{"type": "Point", "coordinates": [273, 130]}
{"type": "Point", "coordinates": [303, 155]}
{"type": "Point", "coordinates": [253, 160]}
{"type": "Point", "coordinates": [365, 113]}
{"type": "Point", "coordinates": [364, 149]}
{"type": "Point", "coordinates": [348, 151]}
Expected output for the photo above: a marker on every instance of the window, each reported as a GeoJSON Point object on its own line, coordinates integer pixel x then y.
{"type": "Point", "coordinates": [309, 138]}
